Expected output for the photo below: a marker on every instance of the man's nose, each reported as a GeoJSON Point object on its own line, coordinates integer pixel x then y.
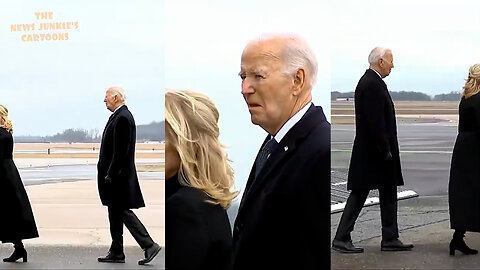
{"type": "Point", "coordinates": [247, 87]}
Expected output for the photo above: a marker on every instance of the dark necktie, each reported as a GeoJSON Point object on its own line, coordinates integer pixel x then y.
{"type": "Point", "coordinates": [264, 154]}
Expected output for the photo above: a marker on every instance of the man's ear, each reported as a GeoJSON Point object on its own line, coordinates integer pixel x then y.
{"type": "Point", "coordinates": [380, 62]}
{"type": "Point", "coordinates": [298, 81]}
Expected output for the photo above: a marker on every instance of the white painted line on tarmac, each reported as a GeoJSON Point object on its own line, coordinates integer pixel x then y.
{"type": "Point", "coordinates": [406, 151]}
{"type": "Point", "coordinates": [406, 194]}
{"type": "Point", "coordinates": [340, 183]}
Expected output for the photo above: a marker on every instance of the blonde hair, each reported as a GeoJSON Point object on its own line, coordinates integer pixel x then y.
{"type": "Point", "coordinates": [472, 84]}
{"type": "Point", "coordinates": [192, 128]}
{"type": "Point", "coordinates": [5, 121]}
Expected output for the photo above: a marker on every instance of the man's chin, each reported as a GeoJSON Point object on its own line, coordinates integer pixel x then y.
{"type": "Point", "coordinates": [254, 120]}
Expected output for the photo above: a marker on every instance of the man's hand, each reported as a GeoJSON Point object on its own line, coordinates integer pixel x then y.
{"type": "Point", "coordinates": [108, 179]}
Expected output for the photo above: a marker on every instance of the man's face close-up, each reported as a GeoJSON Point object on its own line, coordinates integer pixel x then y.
{"type": "Point", "coordinates": [265, 88]}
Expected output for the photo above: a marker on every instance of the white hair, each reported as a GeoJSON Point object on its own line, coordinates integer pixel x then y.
{"type": "Point", "coordinates": [376, 54]}
{"type": "Point", "coordinates": [118, 90]}
{"type": "Point", "coordinates": [296, 54]}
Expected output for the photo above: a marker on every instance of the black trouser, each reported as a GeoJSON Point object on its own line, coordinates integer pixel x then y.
{"type": "Point", "coordinates": [388, 213]}
{"type": "Point", "coordinates": [117, 218]}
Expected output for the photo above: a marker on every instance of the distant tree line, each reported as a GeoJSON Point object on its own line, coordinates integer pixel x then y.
{"type": "Point", "coordinates": [404, 96]}
{"type": "Point", "coordinates": [154, 131]}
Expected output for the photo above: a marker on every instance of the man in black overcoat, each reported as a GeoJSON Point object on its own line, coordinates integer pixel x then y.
{"type": "Point", "coordinates": [375, 161]}
{"type": "Point", "coordinates": [118, 182]}
{"type": "Point", "coordinates": [283, 220]}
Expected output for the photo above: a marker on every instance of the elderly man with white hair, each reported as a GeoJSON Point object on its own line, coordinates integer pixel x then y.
{"type": "Point", "coordinates": [375, 161]}
{"type": "Point", "coordinates": [283, 220]}
{"type": "Point", "coordinates": [118, 181]}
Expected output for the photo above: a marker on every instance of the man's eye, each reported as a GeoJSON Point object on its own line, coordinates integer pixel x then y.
{"type": "Point", "coordinates": [258, 76]}
{"type": "Point", "coordinates": [242, 76]}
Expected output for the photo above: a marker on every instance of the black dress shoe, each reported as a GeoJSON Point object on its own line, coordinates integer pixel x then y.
{"type": "Point", "coordinates": [113, 258]}
{"type": "Point", "coordinates": [345, 246]}
{"type": "Point", "coordinates": [150, 253]}
{"type": "Point", "coordinates": [395, 245]}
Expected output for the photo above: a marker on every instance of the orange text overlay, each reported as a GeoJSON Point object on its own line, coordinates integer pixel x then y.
{"type": "Point", "coordinates": [45, 30]}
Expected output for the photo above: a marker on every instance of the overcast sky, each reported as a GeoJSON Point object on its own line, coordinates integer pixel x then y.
{"type": "Point", "coordinates": [433, 42]}
{"type": "Point", "coordinates": [50, 86]}
{"type": "Point", "coordinates": [204, 41]}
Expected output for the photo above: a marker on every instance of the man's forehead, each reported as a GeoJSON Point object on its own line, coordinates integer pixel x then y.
{"type": "Point", "coordinates": [259, 58]}
{"type": "Point", "coordinates": [263, 48]}
{"type": "Point", "coordinates": [260, 64]}
{"type": "Point", "coordinates": [109, 91]}
{"type": "Point", "coordinates": [389, 53]}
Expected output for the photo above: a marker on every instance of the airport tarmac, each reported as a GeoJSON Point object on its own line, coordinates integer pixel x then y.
{"type": "Point", "coordinates": [72, 223]}
{"type": "Point", "coordinates": [74, 229]}
{"type": "Point", "coordinates": [67, 173]}
{"type": "Point", "coordinates": [77, 257]}
{"type": "Point", "coordinates": [425, 153]}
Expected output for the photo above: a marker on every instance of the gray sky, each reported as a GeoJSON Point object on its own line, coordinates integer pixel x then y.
{"type": "Point", "coordinates": [204, 41]}
{"type": "Point", "coordinates": [50, 86]}
{"type": "Point", "coordinates": [433, 42]}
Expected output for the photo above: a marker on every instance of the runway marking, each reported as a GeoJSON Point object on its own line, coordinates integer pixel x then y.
{"type": "Point", "coordinates": [426, 152]}
{"type": "Point", "coordinates": [340, 183]}
{"type": "Point", "coordinates": [55, 178]}
{"type": "Point", "coordinates": [404, 151]}
{"type": "Point", "coordinates": [406, 194]}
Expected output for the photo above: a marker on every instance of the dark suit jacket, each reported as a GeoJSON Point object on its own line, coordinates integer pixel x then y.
{"type": "Point", "coordinates": [197, 233]}
{"type": "Point", "coordinates": [283, 221]}
{"type": "Point", "coordinates": [376, 134]}
{"type": "Point", "coordinates": [117, 159]}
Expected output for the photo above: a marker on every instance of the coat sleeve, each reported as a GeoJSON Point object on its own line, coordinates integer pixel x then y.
{"type": "Point", "coordinates": [373, 104]}
{"type": "Point", "coordinates": [186, 238]}
{"type": "Point", "coordinates": [122, 134]}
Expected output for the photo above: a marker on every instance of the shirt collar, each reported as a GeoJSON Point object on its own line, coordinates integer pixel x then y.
{"type": "Point", "coordinates": [291, 122]}
{"type": "Point", "coordinates": [118, 108]}
{"type": "Point", "coordinates": [377, 73]}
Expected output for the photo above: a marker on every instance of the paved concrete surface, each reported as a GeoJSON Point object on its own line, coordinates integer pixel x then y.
{"type": "Point", "coordinates": [424, 221]}
{"type": "Point", "coordinates": [71, 213]}
{"type": "Point", "coordinates": [425, 154]}
{"type": "Point", "coordinates": [74, 228]}
{"type": "Point", "coordinates": [77, 257]}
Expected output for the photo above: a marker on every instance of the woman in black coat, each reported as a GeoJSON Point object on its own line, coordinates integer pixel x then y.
{"type": "Point", "coordinates": [16, 213]}
{"type": "Point", "coordinates": [464, 185]}
{"type": "Point", "coordinates": [198, 186]}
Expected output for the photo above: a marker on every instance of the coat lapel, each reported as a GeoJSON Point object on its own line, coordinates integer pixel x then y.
{"type": "Point", "coordinates": [285, 148]}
